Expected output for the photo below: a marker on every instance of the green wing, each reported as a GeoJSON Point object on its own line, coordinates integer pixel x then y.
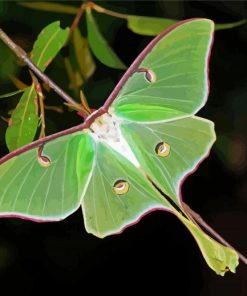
{"type": "Point", "coordinates": [176, 65]}
{"type": "Point", "coordinates": [189, 141]}
{"type": "Point", "coordinates": [106, 212]}
{"type": "Point", "coordinates": [31, 190]}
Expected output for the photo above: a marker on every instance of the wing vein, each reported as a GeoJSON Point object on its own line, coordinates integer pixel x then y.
{"type": "Point", "coordinates": [64, 178]}
{"type": "Point", "coordinates": [106, 197]}
{"type": "Point", "coordinates": [123, 97]}
{"type": "Point", "coordinates": [53, 170]}
{"type": "Point", "coordinates": [35, 188]}
{"type": "Point", "coordinates": [173, 52]}
{"type": "Point", "coordinates": [22, 184]}
{"type": "Point", "coordinates": [13, 179]}
{"type": "Point", "coordinates": [48, 188]}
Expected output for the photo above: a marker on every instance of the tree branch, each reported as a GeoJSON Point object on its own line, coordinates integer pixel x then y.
{"type": "Point", "coordinates": [20, 53]}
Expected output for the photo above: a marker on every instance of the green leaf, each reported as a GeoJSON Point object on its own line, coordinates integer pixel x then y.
{"type": "Point", "coordinates": [49, 42]}
{"type": "Point", "coordinates": [24, 119]}
{"type": "Point", "coordinates": [99, 46]}
{"type": "Point", "coordinates": [13, 93]}
{"type": "Point", "coordinates": [229, 25]}
{"type": "Point", "coordinates": [152, 26]}
{"type": "Point", "coordinates": [52, 7]}
{"type": "Point", "coordinates": [83, 55]}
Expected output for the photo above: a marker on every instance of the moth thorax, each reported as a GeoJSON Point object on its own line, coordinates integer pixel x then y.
{"type": "Point", "coordinates": [106, 128]}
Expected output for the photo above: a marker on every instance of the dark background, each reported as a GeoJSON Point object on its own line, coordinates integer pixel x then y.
{"type": "Point", "coordinates": [158, 254]}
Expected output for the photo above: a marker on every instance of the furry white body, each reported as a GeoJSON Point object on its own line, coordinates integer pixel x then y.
{"type": "Point", "coordinates": [106, 128]}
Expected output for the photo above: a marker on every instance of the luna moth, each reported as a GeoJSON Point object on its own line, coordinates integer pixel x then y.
{"type": "Point", "coordinates": [130, 156]}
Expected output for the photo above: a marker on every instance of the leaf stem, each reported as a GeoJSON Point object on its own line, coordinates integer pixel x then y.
{"type": "Point", "coordinates": [210, 230]}
{"type": "Point", "coordinates": [58, 109]}
{"type": "Point", "coordinates": [20, 53]}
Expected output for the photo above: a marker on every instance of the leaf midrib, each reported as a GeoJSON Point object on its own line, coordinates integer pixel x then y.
{"type": "Point", "coordinates": [47, 44]}
{"type": "Point", "coordinates": [24, 115]}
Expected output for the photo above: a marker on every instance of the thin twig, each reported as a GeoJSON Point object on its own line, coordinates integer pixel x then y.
{"type": "Point", "coordinates": [78, 17]}
{"type": "Point", "coordinates": [20, 53]}
{"type": "Point", "coordinates": [39, 92]}
{"type": "Point", "coordinates": [210, 230]}
{"type": "Point", "coordinates": [42, 115]}
{"type": "Point", "coordinates": [101, 9]}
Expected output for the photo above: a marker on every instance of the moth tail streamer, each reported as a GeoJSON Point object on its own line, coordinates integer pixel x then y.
{"type": "Point", "coordinates": [219, 258]}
